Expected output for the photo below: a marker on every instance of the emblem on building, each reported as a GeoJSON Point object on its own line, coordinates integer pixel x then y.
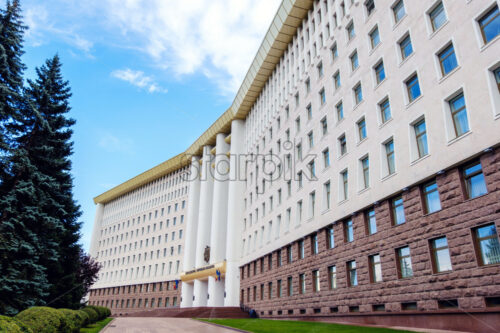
{"type": "Point", "coordinates": [206, 254]}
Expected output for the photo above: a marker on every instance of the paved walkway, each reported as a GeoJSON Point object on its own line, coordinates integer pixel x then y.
{"type": "Point", "coordinates": [161, 325]}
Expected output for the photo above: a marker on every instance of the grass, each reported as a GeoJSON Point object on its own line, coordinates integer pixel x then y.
{"type": "Point", "coordinates": [290, 326]}
{"type": "Point", "coordinates": [97, 327]}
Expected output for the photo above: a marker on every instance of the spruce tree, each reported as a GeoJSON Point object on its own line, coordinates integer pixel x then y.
{"type": "Point", "coordinates": [11, 77]}
{"type": "Point", "coordinates": [49, 95]}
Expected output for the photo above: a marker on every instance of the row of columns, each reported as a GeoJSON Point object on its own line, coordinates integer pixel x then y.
{"type": "Point", "coordinates": [215, 212]}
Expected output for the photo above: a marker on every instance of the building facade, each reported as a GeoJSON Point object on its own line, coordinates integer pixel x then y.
{"type": "Point", "coordinates": [356, 175]}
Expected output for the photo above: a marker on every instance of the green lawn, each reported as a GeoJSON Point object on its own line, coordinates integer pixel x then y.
{"type": "Point", "coordinates": [290, 326]}
{"type": "Point", "coordinates": [97, 327]}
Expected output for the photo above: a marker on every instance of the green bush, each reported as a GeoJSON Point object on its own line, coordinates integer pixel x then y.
{"type": "Point", "coordinates": [74, 321]}
{"type": "Point", "coordinates": [100, 311]}
{"type": "Point", "coordinates": [84, 317]}
{"type": "Point", "coordinates": [93, 316]}
{"type": "Point", "coordinates": [11, 325]}
{"type": "Point", "coordinates": [41, 319]}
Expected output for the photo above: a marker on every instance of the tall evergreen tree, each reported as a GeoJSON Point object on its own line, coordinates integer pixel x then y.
{"type": "Point", "coordinates": [11, 76]}
{"type": "Point", "coordinates": [49, 95]}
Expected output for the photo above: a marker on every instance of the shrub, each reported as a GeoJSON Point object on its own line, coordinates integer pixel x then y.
{"type": "Point", "coordinates": [73, 320]}
{"type": "Point", "coordinates": [41, 319]}
{"type": "Point", "coordinates": [93, 316]}
{"type": "Point", "coordinates": [84, 317]}
{"type": "Point", "coordinates": [100, 311]}
{"type": "Point", "coordinates": [11, 325]}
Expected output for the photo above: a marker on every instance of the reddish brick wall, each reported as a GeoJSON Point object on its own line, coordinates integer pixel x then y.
{"type": "Point", "coordinates": [468, 282]}
{"type": "Point", "coordinates": [116, 298]}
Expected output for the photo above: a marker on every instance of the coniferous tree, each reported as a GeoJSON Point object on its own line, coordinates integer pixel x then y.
{"type": "Point", "coordinates": [49, 95]}
{"type": "Point", "coordinates": [11, 77]}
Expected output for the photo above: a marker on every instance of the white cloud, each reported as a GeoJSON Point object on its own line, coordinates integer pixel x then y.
{"type": "Point", "coordinates": [112, 144]}
{"type": "Point", "coordinates": [138, 79]}
{"type": "Point", "coordinates": [214, 38]}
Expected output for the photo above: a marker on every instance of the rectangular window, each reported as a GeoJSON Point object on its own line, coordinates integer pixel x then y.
{"type": "Point", "coordinates": [280, 289]}
{"type": "Point", "coordinates": [336, 80]}
{"type": "Point", "coordinates": [302, 283]}
{"type": "Point", "coordinates": [413, 88]}
{"type": "Point", "coordinates": [475, 185]}
{"type": "Point", "coordinates": [399, 11]}
{"type": "Point", "coordinates": [371, 222]}
{"type": "Point", "coordinates": [365, 163]}
{"type": "Point", "coordinates": [398, 211]}
{"type": "Point", "coordinates": [314, 244]}
{"type": "Point", "coordinates": [459, 115]}
{"type": "Point", "coordinates": [389, 152]}
{"type": "Point", "coordinates": [289, 254]}
{"type": "Point", "coordinates": [375, 268]}
{"type": "Point", "coordinates": [324, 126]}
{"type": "Point", "coordinates": [335, 52]}
{"type": "Point", "coordinates": [350, 31]}
{"type": "Point", "coordinates": [322, 96]}
{"type": "Point", "coordinates": [348, 231]}
{"type": "Point", "coordinates": [326, 158]}
{"type": "Point", "coordinates": [316, 281]}
{"type": "Point", "coordinates": [358, 93]}
{"type": "Point", "coordinates": [374, 37]}
{"type": "Point", "coordinates": [342, 145]}
{"type": "Point", "coordinates": [379, 72]}
{"type": "Point", "coordinates": [280, 263]}
{"type": "Point", "coordinates": [496, 73]}
{"type": "Point", "coordinates": [421, 138]}
{"type": "Point", "coordinates": [487, 245]}
{"type": "Point", "coordinates": [310, 139]}
{"type": "Point", "coordinates": [330, 237]}
{"type": "Point", "coordinates": [405, 269]}
{"type": "Point", "coordinates": [308, 85]}
{"type": "Point", "coordinates": [447, 60]}
{"type": "Point", "coordinates": [431, 198]}
{"type": "Point", "coordinates": [301, 249]}
{"type": "Point", "coordinates": [440, 255]}
{"type": "Point", "coordinates": [345, 184]}
{"type": "Point", "coordinates": [332, 277]}
{"type": "Point", "coordinates": [320, 70]}
{"type": "Point", "coordinates": [406, 47]}
{"type": "Point", "coordinates": [352, 274]}
{"type": "Point", "coordinates": [489, 24]}
{"type": "Point", "coordinates": [327, 194]}
{"type": "Point", "coordinates": [340, 111]}
{"type": "Point", "coordinates": [362, 129]}
{"type": "Point", "coordinates": [270, 290]}
{"type": "Point", "coordinates": [385, 110]}
{"type": "Point", "coordinates": [370, 7]}
{"type": "Point", "coordinates": [354, 61]}
{"type": "Point", "coordinates": [437, 16]}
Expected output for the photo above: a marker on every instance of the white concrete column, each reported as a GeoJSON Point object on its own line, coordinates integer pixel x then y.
{"type": "Point", "coordinates": [95, 230]}
{"type": "Point", "coordinates": [235, 209]}
{"type": "Point", "coordinates": [219, 218]}
{"type": "Point", "coordinates": [329, 15]}
{"type": "Point", "coordinates": [204, 224]}
{"type": "Point", "coordinates": [191, 228]}
{"type": "Point", "coordinates": [347, 9]}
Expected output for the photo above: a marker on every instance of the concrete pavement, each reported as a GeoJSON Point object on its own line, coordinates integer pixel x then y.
{"type": "Point", "coordinates": [161, 325]}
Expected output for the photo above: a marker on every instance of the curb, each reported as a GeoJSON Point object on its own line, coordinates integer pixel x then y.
{"type": "Point", "coordinates": [107, 326]}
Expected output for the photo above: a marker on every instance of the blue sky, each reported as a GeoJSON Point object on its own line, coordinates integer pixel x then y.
{"type": "Point", "coordinates": [147, 76]}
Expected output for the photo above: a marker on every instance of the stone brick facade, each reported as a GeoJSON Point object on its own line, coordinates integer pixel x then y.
{"type": "Point", "coordinates": [469, 292]}
{"type": "Point", "coordinates": [138, 297]}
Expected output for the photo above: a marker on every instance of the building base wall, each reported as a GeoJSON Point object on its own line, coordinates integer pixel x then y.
{"type": "Point", "coordinates": [465, 298]}
{"type": "Point", "coordinates": [134, 298]}
{"type": "Point", "coordinates": [475, 321]}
